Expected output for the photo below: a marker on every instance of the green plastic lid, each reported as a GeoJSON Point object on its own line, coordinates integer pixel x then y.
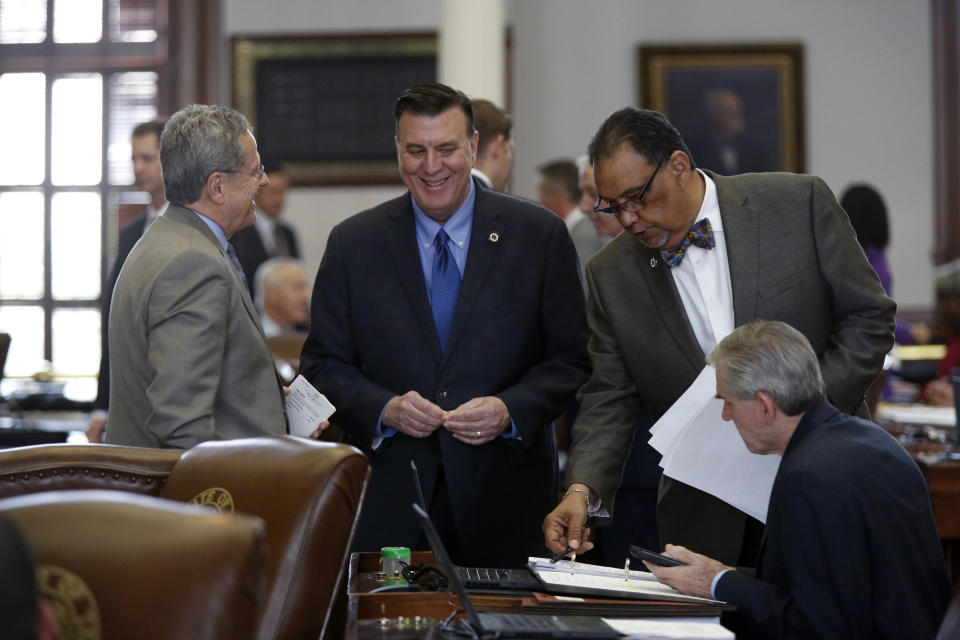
{"type": "Point", "coordinates": [395, 552]}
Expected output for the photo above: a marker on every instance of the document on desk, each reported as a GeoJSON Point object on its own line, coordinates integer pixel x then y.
{"type": "Point", "coordinates": [585, 568]}
{"type": "Point", "coordinates": [616, 587]}
{"type": "Point", "coordinates": [306, 407]}
{"type": "Point", "coordinates": [702, 450]}
{"type": "Point", "coordinates": [671, 628]}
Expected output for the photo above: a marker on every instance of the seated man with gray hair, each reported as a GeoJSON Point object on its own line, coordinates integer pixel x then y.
{"type": "Point", "coordinates": [851, 547]}
{"type": "Point", "coordinates": [283, 296]}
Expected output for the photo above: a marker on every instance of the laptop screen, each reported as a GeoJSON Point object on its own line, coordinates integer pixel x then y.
{"type": "Point", "coordinates": [440, 555]}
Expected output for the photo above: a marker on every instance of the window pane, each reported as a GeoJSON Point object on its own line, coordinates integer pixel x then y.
{"type": "Point", "coordinates": [133, 99]}
{"type": "Point", "coordinates": [21, 245]}
{"type": "Point", "coordinates": [77, 124]}
{"type": "Point", "coordinates": [21, 127]}
{"type": "Point", "coordinates": [23, 21]}
{"type": "Point", "coordinates": [133, 20]}
{"type": "Point", "coordinates": [77, 20]}
{"type": "Point", "coordinates": [25, 326]}
{"type": "Point", "coordinates": [75, 245]}
{"type": "Point", "coordinates": [76, 341]}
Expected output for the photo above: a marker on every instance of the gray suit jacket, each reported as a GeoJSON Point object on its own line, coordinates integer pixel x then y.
{"type": "Point", "coordinates": [586, 241]}
{"type": "Point", "coordinates": [188, 359]}
{"type": "Point", "coordinates": [793, 257]}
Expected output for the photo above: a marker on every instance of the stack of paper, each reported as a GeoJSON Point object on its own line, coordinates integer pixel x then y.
{"type": "Point", "coordinates": [672, 629]}
{"type": "Point", "coordinates": [702, 450]}
{"type": "Point", "coordinates": [548, 604]}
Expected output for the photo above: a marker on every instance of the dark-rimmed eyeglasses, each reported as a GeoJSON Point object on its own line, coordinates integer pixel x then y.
{"type": "Point", "coordinates": [630, 204]}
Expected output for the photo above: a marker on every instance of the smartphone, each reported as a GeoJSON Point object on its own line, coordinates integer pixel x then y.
{"type": "Point", "coordinates": [654, 558]}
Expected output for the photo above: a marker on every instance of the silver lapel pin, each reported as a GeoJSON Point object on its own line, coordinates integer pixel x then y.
{"type": "Point", "coordinates": [653, 263]}
{"type": "Point", "coordinates": [494, 237]}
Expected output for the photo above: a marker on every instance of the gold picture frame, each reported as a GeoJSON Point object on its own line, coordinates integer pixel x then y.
{"type": "Point", "coordinates": [701, 87]}
{"type": "Point", "coordinates": [322, 105]}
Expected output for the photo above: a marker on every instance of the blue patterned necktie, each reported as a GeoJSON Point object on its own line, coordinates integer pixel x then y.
{"type": "Point", "coordinates": [444, 287]}
{"type": "Point", "coordinates": [701, 235]}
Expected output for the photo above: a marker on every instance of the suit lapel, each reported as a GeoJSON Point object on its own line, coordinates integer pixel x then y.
{"type": "Point", "coordinates": [740, 228]}
{"type": "Point", "coordinates": [401, 238]}
{"type": "Point", "coordinates": [666, 298]}
{"type": "Point", "coordinates": [480, 255]}
{"type": "Point", "coordinates": [186, 216]}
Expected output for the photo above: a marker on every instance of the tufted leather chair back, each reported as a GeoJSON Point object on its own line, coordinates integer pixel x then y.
{"type": "Point", "coordinates": [117, 565]}
{"type": "Point", "coordinates": [308, 493]}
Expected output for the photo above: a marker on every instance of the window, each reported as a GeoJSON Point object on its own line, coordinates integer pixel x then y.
{"type": "Point", "coordinates": [75, 77]}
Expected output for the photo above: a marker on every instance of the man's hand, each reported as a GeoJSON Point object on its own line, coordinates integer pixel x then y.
{"type": "Point", "coordinates": [320, 429]}
{"type": "Point", "coordinates": [695, 579]}
{"type": "Point", "coordinates": [413, 415]}
{"type": "Point", "coordinates": [96, 428]}
{"type": "Point", "coordinates": [478, 421]}
{"type": "Point", "coordinates": [563, 527]}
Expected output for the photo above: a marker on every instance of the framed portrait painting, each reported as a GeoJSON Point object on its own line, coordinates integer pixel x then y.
{"type": "Point", "coordinates": [322, 106]}
{"type": "Point", "coordinates": [738, 107]}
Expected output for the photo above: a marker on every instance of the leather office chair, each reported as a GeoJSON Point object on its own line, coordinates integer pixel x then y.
{"type": "Point", "coordinates": [116, 565]}
{"type": "Point", "coordinates": [308, 494]}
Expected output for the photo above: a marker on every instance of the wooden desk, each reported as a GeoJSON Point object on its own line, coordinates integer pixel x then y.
{"type": "Point", "coordinates": [419, 614]}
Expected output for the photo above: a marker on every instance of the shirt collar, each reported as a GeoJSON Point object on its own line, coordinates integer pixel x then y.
{"type": "Point", "coordinates": [573, 218]}
{"type": "Point", "coordinates": [710, 207]}
{"type": "Point", "coordinates": [264, 222]}
{"type": "Point", "coordinates": [457, 226]}
{"type": "Point", "coordinates": [482, 177]}
{"type": "Point", "coordinates": [215, 228]}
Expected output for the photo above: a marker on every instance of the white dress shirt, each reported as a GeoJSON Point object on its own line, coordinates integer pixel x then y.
{"type": "Point", "coordinates": [703, 279]}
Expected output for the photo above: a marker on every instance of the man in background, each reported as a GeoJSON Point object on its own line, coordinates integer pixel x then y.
{"type": "Point", "coordinates": [283, 297]}
{"type": "Point", "coordinates": [851, 549]}
{"type": "Point", "coordinates": [190, 362]}
{"type": "Point", "coordinates": [148, 176]}
{"type": "Point", "coordinates": [607, 227]}
{"type": "Point", "coordinates": [437, 332]}
{"type": "Point", "coordinates": [559, 191]}
{"type": "Point", "coordinates": [269, 237]}
{"type": "Point", "coordinates": [494, 146]}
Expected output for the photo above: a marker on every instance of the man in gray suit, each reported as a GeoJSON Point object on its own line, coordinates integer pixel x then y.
{"type": "Point", "coordinates": [775, 246]}
{"type": "Point", "coordinates": [559, 191]}
{"type": "Point", "coordinates": [188, 358]}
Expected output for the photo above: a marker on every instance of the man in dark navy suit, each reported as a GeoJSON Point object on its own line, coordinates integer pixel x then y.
{"type": "Point", "coordinates": [851, 548]}
{"type": "Point", "coordinates": [448, 327]}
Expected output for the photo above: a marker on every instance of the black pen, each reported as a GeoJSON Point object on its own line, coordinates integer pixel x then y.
{"type": "Point", "coordinates": [587, 524]}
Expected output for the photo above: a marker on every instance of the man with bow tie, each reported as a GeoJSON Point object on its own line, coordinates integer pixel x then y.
{"type": "Point", "coordinates": [703, 254]}
{"type": "Point", "coordinates": [448, 328]}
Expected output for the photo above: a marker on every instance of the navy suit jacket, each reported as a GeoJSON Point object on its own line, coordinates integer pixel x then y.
{"type": "Point", "coordinates": [128, 237]}
{"type": "Point", "coordinates": [851, 548]}
{"type": "Point", "coordinates": [519, 333]}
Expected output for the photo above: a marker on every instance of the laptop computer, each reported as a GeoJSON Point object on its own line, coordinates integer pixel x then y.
{"type": "Point", "coordinates": [484, 578]}
{"type": "Point", "coordinates": [505, 625]}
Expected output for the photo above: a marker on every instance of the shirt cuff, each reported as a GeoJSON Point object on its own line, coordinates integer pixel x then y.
{"type": "Point", "coordinates": [383, 431]}
{"type": "Point", "coordinates": [513, 434]}
{"type": "Point", "coordinates": [716, 579]}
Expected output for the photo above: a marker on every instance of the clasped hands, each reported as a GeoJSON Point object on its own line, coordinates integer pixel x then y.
{"type": "Point", "coordinates": [476, 421]}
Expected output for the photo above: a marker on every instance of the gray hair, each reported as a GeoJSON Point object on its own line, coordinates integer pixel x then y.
{"type": "Point", "coordinates": [268, 275]}
{"type": "Point", "coordinates": [772, 357]}
{"type": "Point", "coordinates": [198, 140]}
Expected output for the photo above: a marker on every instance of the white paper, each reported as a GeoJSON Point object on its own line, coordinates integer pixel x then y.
{"type": "Point", "coordinates": [671, 628]}
{"type": "Point", "coordinates": [917, 414]}
{"type": "Point", "coordinates": [656, 590]}
{"type": "Point", "coordinates": [306, 408]}
{"type": "Point", "coordinates": [702, 450]}
{"type": "Point", "coordinates": [585, 568]}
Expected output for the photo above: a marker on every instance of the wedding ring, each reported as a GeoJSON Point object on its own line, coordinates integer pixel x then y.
{"type": "Point", "coordinates": [478, 435]}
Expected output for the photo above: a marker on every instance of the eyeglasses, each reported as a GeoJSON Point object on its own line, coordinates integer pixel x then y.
{"type": "Point", "coordinates": [631, 204]}
{"type": "Point", "coordinates": [256, 173]}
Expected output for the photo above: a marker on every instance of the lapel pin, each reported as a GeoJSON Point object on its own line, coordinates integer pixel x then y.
{"type": "Point", "coordinates": [653, 263]}
{"type": "Point", "coordinates": [494, 237]}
